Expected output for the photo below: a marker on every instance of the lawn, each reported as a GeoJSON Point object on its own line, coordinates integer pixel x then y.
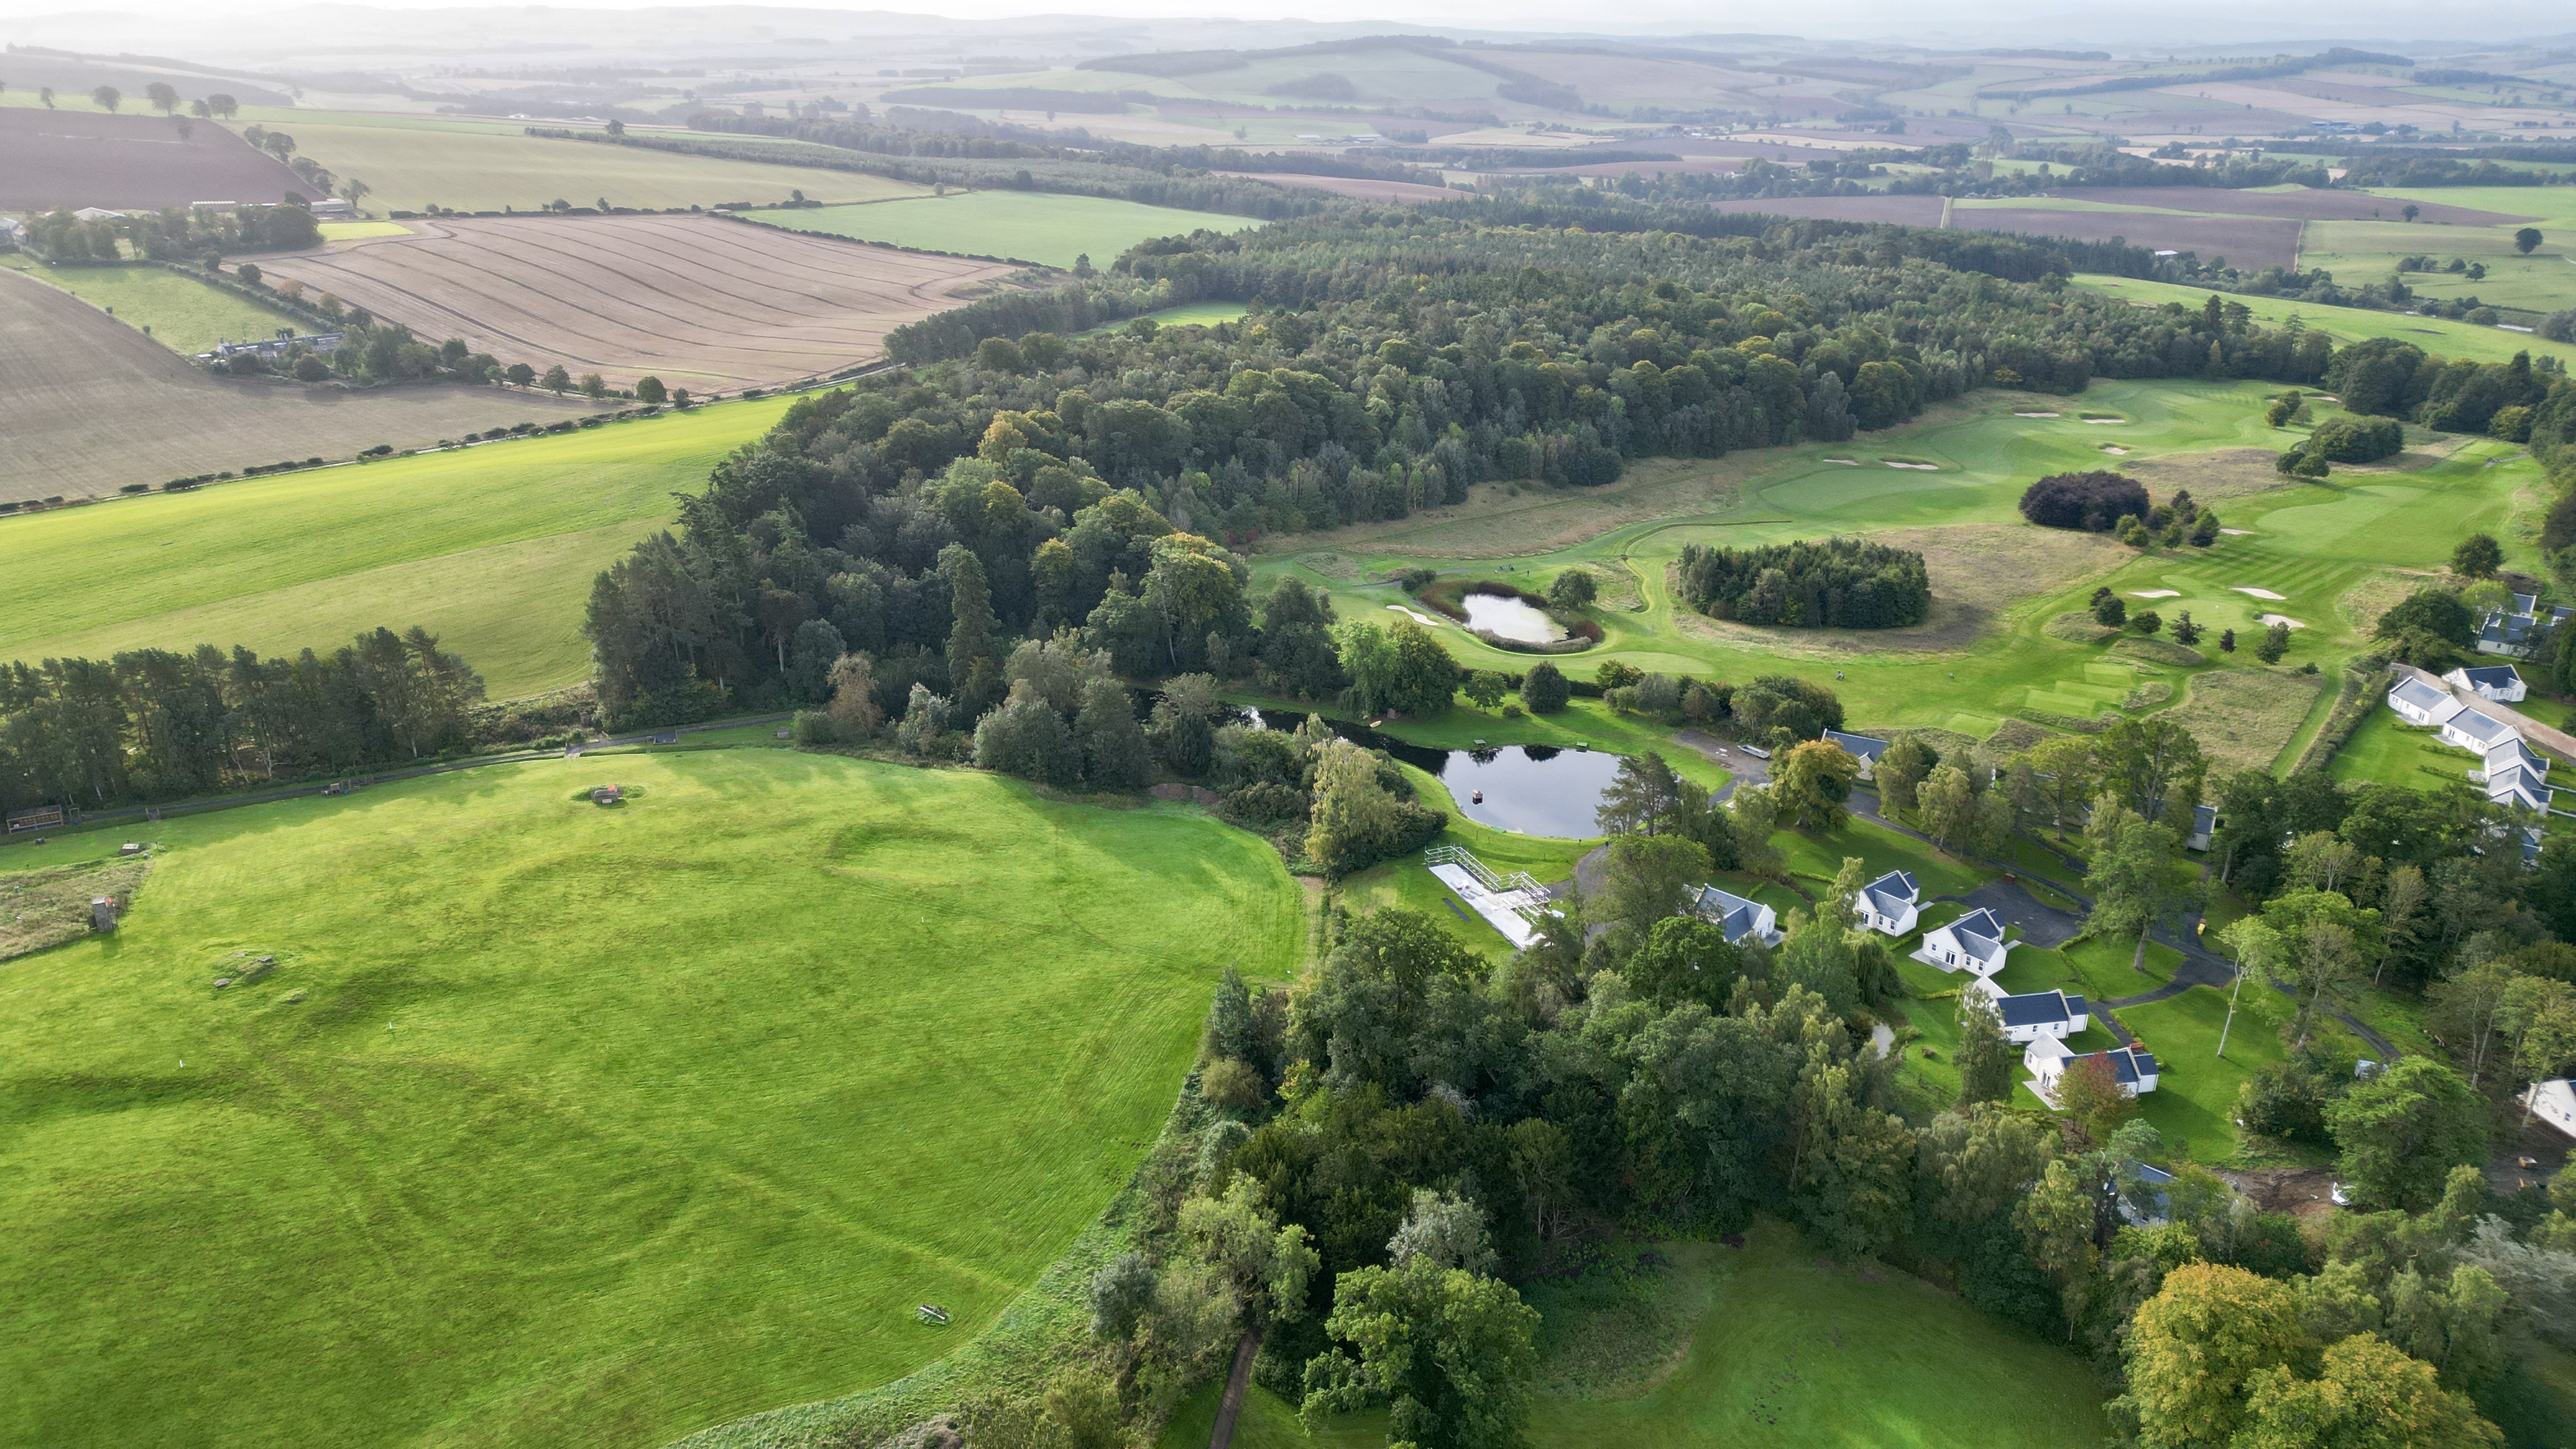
{"type": "Point", "coordinates": [1775, 1346]}
{"type": "Point", "coordinates": [179, 312]}
{"type": "Point", "coordinates": [493, 548]}
{"type": "Point", "coordinates": [1985, 655]}
{"type": "Point", "coordinates": [1034, 226]}
{"type": "Point", "coordinates": [415, 161]}
{"type": "Point", "coordinates": [557, 1124]}
{"type": "Point", "coordinates": [2386, 750]}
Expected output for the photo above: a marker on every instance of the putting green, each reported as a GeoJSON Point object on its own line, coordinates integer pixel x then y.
{"type": "Point", "coordinates": [591, 1126]}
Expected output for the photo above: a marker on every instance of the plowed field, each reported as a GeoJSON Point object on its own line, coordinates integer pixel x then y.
{"type": "Point", "coordinates": [700, 302]}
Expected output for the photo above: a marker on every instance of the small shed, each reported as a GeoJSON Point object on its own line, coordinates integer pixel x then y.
{"type": "Point", "coordinates": [102, 914]}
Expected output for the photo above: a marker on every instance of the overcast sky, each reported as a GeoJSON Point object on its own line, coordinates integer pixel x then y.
{"type": "Point", "coordinates": [1987, 22]}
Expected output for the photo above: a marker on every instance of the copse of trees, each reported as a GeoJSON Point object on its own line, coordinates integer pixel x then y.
{"type": "Point", "coordinates": [1844, 583]}
{"type": "Point", "coordinates": [152, 724]}
{"type": "Point", "coordinates": [2094, 501]}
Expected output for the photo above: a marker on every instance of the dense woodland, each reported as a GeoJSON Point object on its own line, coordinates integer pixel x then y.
{"type": "Point", "coordinates": [1835, 583]}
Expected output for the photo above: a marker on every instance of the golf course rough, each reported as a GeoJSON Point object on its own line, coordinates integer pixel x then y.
{"type": "Point", "coordinates": [593, 1126]}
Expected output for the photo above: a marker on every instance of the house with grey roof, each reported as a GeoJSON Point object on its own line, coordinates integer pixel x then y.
{"type": "Point", "coordinates": [2422, 702]}
{"type": "Point", "coordinates": [2027, 1016]}
{"type": "Point", "coordinates": [2049, 1060]}
{"type": "Point", "coordinates": [1739, 918]}
{"type": "Point", "coordinates": [2519, 633]}
{"type": "Point", "coordinates": [1860, 747]}
{"type": "Point", "coordinates": [1889, 904]}
{"type": "Point", "coordinates": [1973, 943]}
{"type": "Point", "coordinates": [2501, 683]}
{"type": "Point", "coordinates": [2476, 731]}
{"type": "Point", "coordinates": [2204, 824]}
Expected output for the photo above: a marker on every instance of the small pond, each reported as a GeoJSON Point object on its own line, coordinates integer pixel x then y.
{"type": "Point", "coordinates": [1527, 789]}
{"type": "Point", "coordinates": [1509, 618]}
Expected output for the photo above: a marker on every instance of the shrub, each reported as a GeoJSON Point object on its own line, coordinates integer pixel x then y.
{"type": "Point", "coordinates": [2093, 501]}
{"type": "Point", "coordinates": [2110, 612]}
{"type": "Point", "coordinates": [1573, 589]}
{"type": "Point", "coordinates": [2356, 440]}
{"type": "Point", "coordinates": [1544, 689]}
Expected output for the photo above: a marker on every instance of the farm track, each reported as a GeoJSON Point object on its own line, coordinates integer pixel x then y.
{"type": "Point", "coordinates": [697, 301]}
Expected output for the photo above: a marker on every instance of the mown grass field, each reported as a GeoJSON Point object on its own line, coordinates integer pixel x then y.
{"type": "Point", "coordinates": [592, 1126]}
{"type": "Point", "coordinates": [2331, 549]}
{"type": "Point", "coordinates": [179, 312]}
{"type": "Point", "coordinates": [1031, 226]}
{"type": "Point", "coordinates": [1774, 1346]}
{"type": "Point", "coordinates": [492, 548]}
{"type": "Point", "coordinates": [414, 161]}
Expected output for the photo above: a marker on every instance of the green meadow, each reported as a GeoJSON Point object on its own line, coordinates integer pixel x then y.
{"type": "Point", "coordinates": [2436, 335]}
{"type": "Point", "coordinates": [179, 312]}
{"type": "Point", "coordinates": [570, 1125]}
{"type": "Point", "coordinates": [1032, 226]}
{"type": "Point", "coordinates": [491, 547]}
{"type": "Point", "coordinates": [1766, 1344]}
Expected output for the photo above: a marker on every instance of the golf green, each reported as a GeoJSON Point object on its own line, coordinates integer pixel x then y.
{"type": "Point", "coordinates": [563, 1124]}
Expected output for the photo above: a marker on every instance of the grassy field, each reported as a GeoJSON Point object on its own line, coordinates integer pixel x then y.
{"type": "Point", "coordinates": [565, 1125]}
{"type": "Point", "coordinates": [1028, 226]}
{"type": "Point", "coordinates": [1772, 1345]}
{"type": "Point", "coordinates": [414, 161]}
{"type": "Point", "coordinates": [1985, 654]}
{"type": "Point", "coordinates": [179, 312]}
{"type": "Point", "coordinates": [492, 548]}
{"type": "Point", "coordinates": [2435, 335]}
{"type": "Point", "coordinates": [2544, 281]}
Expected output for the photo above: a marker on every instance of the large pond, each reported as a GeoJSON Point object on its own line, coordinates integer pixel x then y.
{"type": "Point", "coordinates": [1525, 789]}
{"type": "Point", "coordinates": [1509, 618]}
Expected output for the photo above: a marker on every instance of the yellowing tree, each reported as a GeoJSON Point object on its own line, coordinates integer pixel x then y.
{"type": "Point", "coordinates": [2197, 1347]}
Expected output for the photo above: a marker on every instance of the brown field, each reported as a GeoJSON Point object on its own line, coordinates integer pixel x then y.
{"type": "Point", "coordinates": [2248, 242]}
{"type": "Point", "coordinates": [88, 405]}
{"type": "Point", "coordinates": [1902, 210]}
{"type": "Point", "coordinates": [76, 159]}
{"type": "Point", "coordinates": [2244, 718]}
{"type": "Point", "coordinates": [1364, 187]}
{"type": "Point", "coordinates": [697, 301]}
{"type": "Point", "coordinates": [2296, 205]}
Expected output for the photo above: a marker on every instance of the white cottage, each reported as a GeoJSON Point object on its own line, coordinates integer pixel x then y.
{"type": "Point", "coordinates": [2422, 702]}
{"type": "Point", "coordinates": [1889, 904]}
{"type": "Point", "coordinates": [1738, 917]}
{"type": "Point", "coordinates": [1974, 942]}
{"type": "Point", "coordinates": [2034, 1014]}
{"type": "Point", "coordinates": [2049, 1061]}
{"type": "Point", "coordinates": [2476, 731]}
{"type": "Point", "coordinates": [2554, 1102]}
{"type": "Point", "coordinates": [2501, 683]}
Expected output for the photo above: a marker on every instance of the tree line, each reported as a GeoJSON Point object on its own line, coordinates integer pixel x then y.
{"type": "Point", "coordinates": [156, 724]}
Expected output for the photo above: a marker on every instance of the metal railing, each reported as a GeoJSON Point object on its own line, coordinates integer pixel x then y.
{"type": "Point", "coordinates": [1483, 874]}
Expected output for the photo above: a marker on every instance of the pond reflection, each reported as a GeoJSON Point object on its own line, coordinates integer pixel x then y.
{"type": "Point", "coordinates": [1525, 789]}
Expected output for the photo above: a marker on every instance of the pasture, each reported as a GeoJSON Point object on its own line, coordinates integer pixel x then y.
{"type": "Point", "coordinates": [700, 302]}
{"type": "Point", "coordinates": [414, 162]}
{"type": "Point", "coordinates": [574, 1125]}
{"type": "Point", "coordinates": [1766, 1344]}
{"type": "Point", "coordinates": [1985, 654]}
{"type": "Point", "coordinates": [2464, 341]}
{"type": "Point", "coordinates": [491, 547]}
{"type": "Point", "coordinates": [89, 406]}
{"type": "Point", "coordinates": [1033, 226]}
{"type": "Point", "coordinates": [180, 312]}
{"type": "Point", "coordinates": [77, 158]}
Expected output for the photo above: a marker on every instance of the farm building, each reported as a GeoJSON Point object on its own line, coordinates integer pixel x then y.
{"type": "Point", "coordinates": [1860, 747]}
{"type": "Point", "coordinates": [2501, 683]}
{"type": "Point", "coordinates": [1974, 942]}
{"type": "Point", "coordinates": [2421, 702]}
{"type": "Point", "coordinates": [1738, 917]}
{"type": "Point", "coordinates": [2048, 1061]}
{"type": "Point", "coordinates": [2554, 1102]}
{"type": "Point", "coordinates": [1889, 904]}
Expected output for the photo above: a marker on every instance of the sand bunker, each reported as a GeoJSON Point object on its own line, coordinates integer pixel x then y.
{"type": "Point", "coordinates": [2238, 532]}
{"type": "Point", "coordinates": [2115, 450]}
{"type": "Point", "coordinates": [2155, 593]}
{"type": "Point", "coordinates": [1425, 620]}
{"type": "Point", "coordinates": [2105, 421]}
{"type": "Point", "coordinates": [1846, 462]}
{"type": "Point", "coordinates": [2261, 593]}
{"type": "Point", "coordinates": [2270, 619]}
{"type": "Point", "coordinates": [1913, 467]}
{"type": "Point", "coordinates": [2034, 415]}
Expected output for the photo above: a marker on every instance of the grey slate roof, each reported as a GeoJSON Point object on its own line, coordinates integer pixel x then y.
{"type": "Point", "coordinates": [2417, 694]}
{"type": "Point", "coordinates": [2481, 726]}
{"type": "Point", "coordinates": [2494, 676]}
{"type": "Point", "coordinates": [1892, 894]}
{"type": "Point", "coordinates": [1862, 746]}
{"type": "Point", "coordinates": [2039, 1008]}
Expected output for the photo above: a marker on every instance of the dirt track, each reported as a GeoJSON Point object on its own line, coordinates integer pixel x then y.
{"type": "Point", "coordinates": [700, 302]}
{"type": "Point", "coordinates": [88, 405]}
